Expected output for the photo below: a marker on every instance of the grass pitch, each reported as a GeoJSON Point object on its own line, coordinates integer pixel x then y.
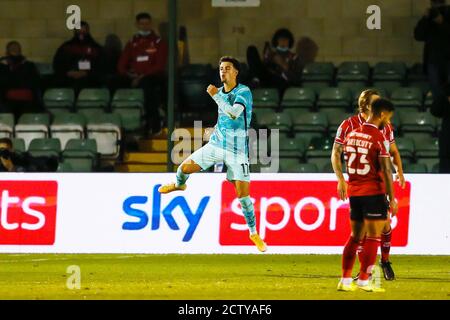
{"type": "Point", "coordinates": [44, 276]}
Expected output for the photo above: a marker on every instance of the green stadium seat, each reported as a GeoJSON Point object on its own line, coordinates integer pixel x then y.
{"type": "Point", "coordinates": [388, 86]}
{"type": "Point", "coordinates": [32, 126]}
{"type": "Point", "coordinates": [6, 125]}
{"type": "Point", "coordinates": [265, 98]}
{"type": "Point", "coordinates": [260, 113]}
{"type": "Point", "coordinates": [415, 168]}
{"type": "Point", "coordinates": [307, 168]}
{"type": "Point", "coordinates": [319, 151]}
{"type": "Point", "coordinates": [422, 85]}
{"type": "Point", "coordinates": [92, 101]}
{"type": "Point", "coordinates": [435, 168]}
{"type": "Point", "coordinates": [411, 98]}
{"type": "Point", "coordinates": [81, 154]}
{"type": "Point", "coordinates": [105, 128]}
{"type": "Point", "coordinates": [289, 165]}
{"type": "Point", "coordinates": [318, 72]}
{"type": "Point", "coordinates": [334, 97]}
{"type": "Point", "coordinates": [318, 145]}
{"type": "Point", "coordinates": [417, 125]}
{"type": "Point", "coordinates": [49, 147]}
{"type": "Point", "coordinates": [316, 85]}
{"type": "Point", "coordinates": [291, 148]}
{"type": "Point", "coordinates": [416, 73]}
{"type": "Point", "coordinates": [273, 120]}
{"type": "Point", "coordinates": [389, 71]}
{"type": "Point", "coordinates": [59, 100]}
{"type": "Point", "coordinates": [129, 104]}
{"type": "Point", "coordinates": [353, 86]}
{"type": "Point", "coordinates": [64, 167]}
{"type": "Point", "coordinates": [335, 117]}
{"type": "Point", "coordinates": [427, 148]}
{"type": "Point", "coordinates": [68, 126]}
{"type": "Point", "coordinates": [299, 98]}
{"type": "Point", "coordinates": [429, 162]}
{"type": "Point", "coordinates": [353, 71]}
{"type": "Point", "coordinates": [406, 148]}
{"type": "Point", "coordinates": [308, 136]}
{"type": "Point", "coordinates": [18, 145]}
{"type": "Point", "coordinates": [132, 97]}
{"type": "Point", "coordinates": [310, 122]}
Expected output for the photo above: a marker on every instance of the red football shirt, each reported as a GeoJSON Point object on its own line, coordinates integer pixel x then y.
{"type": "Point", "coordinates": [356, 121]}
{"type": "Point", "coordinates": [362, 148]}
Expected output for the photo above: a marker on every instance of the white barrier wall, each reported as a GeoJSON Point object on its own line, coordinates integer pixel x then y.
{"type": "Point", "coordinates": [123, 213]}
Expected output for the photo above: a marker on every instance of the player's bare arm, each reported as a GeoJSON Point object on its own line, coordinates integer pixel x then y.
{"type": "Point", "coordinates": [394, 152]}
{"type": "Point", "coordinates": [337, 168]}
{"type": "Point", "coordinates": [385, 164]}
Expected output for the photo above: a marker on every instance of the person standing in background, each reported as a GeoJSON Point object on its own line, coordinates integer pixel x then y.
{"type": "Point", "coordinates": [143, 65]}
{"type": "Point", "coordinates": [434, 30]}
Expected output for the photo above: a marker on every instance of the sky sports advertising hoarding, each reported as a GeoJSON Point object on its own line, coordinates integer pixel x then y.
{"type": "Point", "coordinates": [124, 213]}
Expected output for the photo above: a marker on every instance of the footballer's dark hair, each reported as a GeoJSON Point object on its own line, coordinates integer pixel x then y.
{"type": "Point", "coordinates": [381, 105]}
{"type": "Point", "coordinates": [143, 15]}
{"type": "Point", "coordinates": [236, 64]}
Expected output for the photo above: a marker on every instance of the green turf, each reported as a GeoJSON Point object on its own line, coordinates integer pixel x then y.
{"type": "Point", "coordinates": [210, 277]}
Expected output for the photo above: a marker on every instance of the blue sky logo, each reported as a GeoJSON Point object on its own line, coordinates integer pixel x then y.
{"type": "Point", "coordinates": [192, 216]}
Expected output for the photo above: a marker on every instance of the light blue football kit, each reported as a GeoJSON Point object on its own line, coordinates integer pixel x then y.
{"type": "Point", "coordinates": [229, 141]}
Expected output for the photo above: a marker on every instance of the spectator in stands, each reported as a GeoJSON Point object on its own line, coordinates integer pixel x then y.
{"type": "Point", "coordinates": [143, 65]}
{"type": "Point", "coordinates": [434, 30]}
{"type": "Point", "coordinates": [79, 62]}
{"type": "Point", "coordinates": [11, 161]}
{"type": "Point", "coordinates": [19, 82]}
{"type": "Point", "coordinates": [441, 108]}
{"type": "Point", "coordinates": [6, 151]}
{"type": "Point", "coordinates": [276, 68]}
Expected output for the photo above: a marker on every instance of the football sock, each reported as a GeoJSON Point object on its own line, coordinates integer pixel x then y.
{"type": "Point", "coordinates": [369, 257]}
{"type": "Point", "coordinates": [181, 177]}
{"type": "Point", "coordinates": [249, 213]}
{"type": "Point", "coordinates": [360, 250]}
{"type": "Point", "coordinates": [385, 245]}
{"type": "Point", "coordinates": [348, 257]}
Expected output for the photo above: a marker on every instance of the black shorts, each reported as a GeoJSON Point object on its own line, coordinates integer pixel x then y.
{"type": "Point", "coordinates": [369, 207]}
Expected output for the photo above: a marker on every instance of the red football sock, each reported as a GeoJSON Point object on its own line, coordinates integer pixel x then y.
{"type": "Point", "coordinates": [349, 256]}
{"type": "Point", "coordinates": [360, 250]}
{"type": "Point", "coordinates": [385, 245]}
{"type": "Point", "coordinates": [369, 257]}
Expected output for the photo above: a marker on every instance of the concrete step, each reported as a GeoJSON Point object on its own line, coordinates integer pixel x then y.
{"type": "Point", "coordinates": [145, 157]}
